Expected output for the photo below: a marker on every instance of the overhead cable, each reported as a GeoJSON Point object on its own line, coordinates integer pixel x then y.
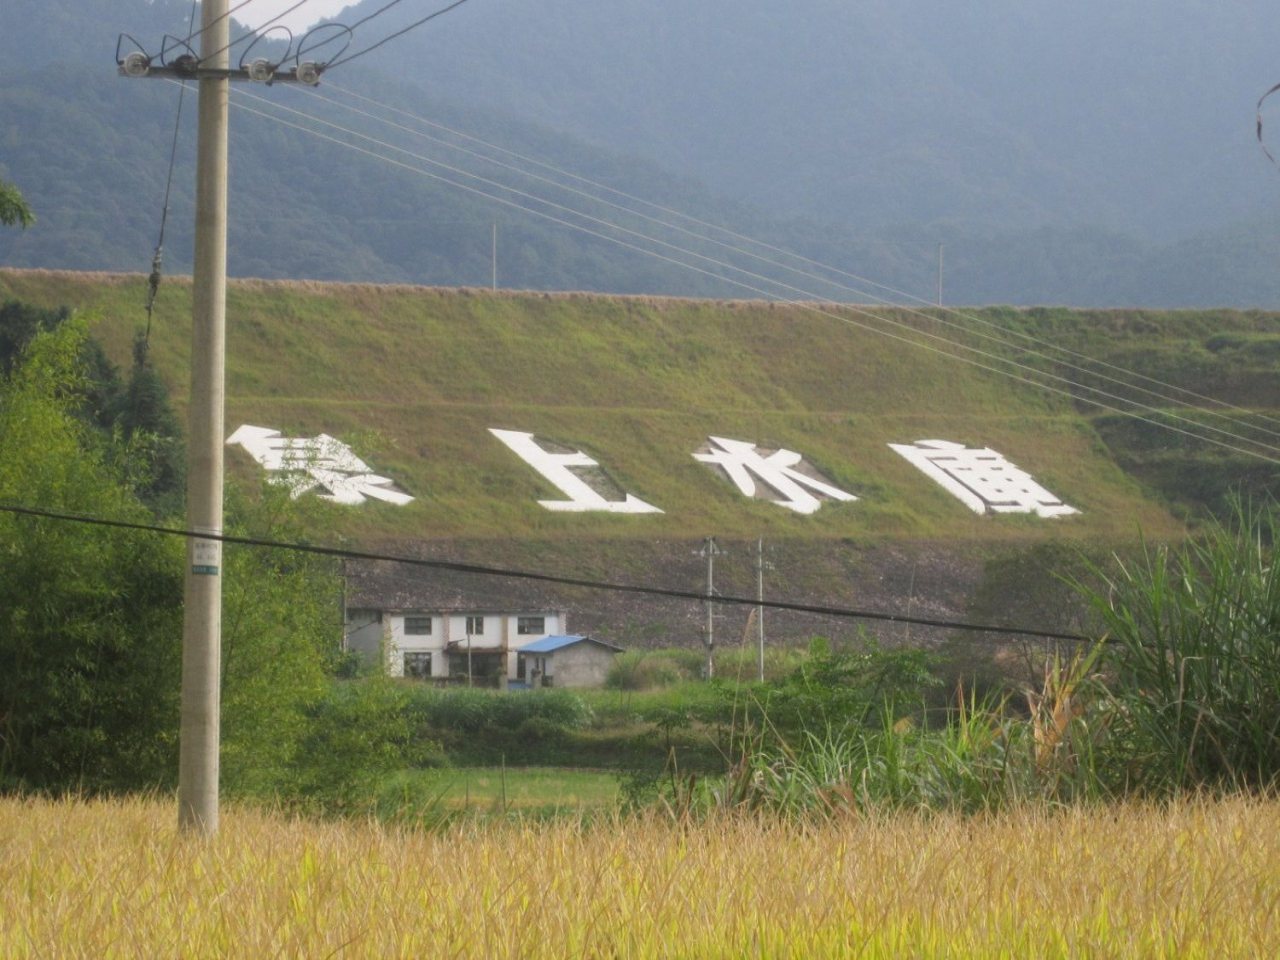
{"type": "Point", "coordinates": [216, 20]}
{"type": "Point", "coordinates": [387, 39]}
{"type": "Point", "coordinates": [1270, 452]}
{"type": "Point", "coordinates": [259, 32]}
{"type": "Point", "coordinates": [157, 257]}
{"type": "Point", "coordinates": [1262, 143]}
{"type": "Point", "coordinates": [935, 313]}
{"type": "Point", "coordinates": [557, 579]}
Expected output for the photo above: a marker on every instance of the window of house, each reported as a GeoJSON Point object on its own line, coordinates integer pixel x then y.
{"type": "Point", "coordinates": [417, 665]}
{"type": "Point", "coordinates": [417, 626]}
{"type": "Point", "coordinates": [475, 626]}
{"type": "Point", "coordinates": [531, 624]}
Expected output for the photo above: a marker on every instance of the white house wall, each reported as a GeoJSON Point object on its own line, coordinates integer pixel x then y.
{"type": "Point", "coordinates": [365, 635]}
{"type": "Point", "coordinates": [500, 632]}
{"type": "Point", "coordinates": [399, 643]}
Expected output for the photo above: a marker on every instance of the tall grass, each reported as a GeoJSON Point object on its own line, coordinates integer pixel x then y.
{"type": "Point", "coordinates": [1196, 659]}
{"type": "Point", "coordinates": [986, 757]}
{"type": "Point", "coordinates": [1193, 878]}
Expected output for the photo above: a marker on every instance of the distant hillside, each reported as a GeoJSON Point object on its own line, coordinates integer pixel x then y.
{"type": "Point", "coordinates": [414, 379]}
{"type": "Point", "coordinates": [1082, 155]}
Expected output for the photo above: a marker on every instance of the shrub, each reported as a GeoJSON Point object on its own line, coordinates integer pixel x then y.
{"type": "Point", "coordinates": [1195, 652]}
{"type": "Point", "coordinates": [469, 710]}
{"type": "Point", "coordinates": [360, 731]}
{"type": "Point", "coordinates": [645, 670]}
{"type": "Point", "coordinates": [836, 691]}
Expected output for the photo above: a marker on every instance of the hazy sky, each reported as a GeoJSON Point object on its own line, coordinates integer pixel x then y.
{"type": "Point", "coordinates": [257, 12]}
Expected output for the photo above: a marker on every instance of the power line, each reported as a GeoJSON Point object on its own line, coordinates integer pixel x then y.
{"type": "Point", "coordinates": [1267, 456]}
{"type": "Point", "coordinates": [558, 579]}
{"type": "Point", "coordinates": [1003, 335]}
{"type": "Point", "coordinates": [157, 258]}
{"type": "Point", "coordinates": [261, 31]}
{"type": "Point", "coordinates": [1262, 143]}
{"type": "Point", "coordinates": [398, 33]}
{"type": "Point", "coordinates": [377, 13]}
{"type": "Point", "coordinates": [216, 20]}
{"type": "Point", "coordinates": [258, 32]}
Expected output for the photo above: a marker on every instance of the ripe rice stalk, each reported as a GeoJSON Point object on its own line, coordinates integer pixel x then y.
{"type": "Point", "coordinates": [1195, 877]}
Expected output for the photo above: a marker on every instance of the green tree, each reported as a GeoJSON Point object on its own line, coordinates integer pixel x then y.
{"type": "Point", "coordinates": [19, 322]}
{"type": "Point", "coordinates": [281, 636]}
{"type": "Point", "coordinates": [13, 209]}
{"type": "Point", "coordinates": [91, 615]}
{"type": "Point", "coordinates": [88, 614]}
{"type": "Point", "coordinates": [146, 421]}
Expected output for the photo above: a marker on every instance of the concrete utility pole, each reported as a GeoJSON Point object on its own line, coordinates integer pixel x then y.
{"type": "Point", "coordinates": [710, 551]}
{"type": "Point", "coordinates": [939, 274]}
{"type": "Point", "coordinates": [199, 731]}
{"type": "Point", "coordinates": [760, 600]}
{"type": "Point", "coordinates": [199, 735]}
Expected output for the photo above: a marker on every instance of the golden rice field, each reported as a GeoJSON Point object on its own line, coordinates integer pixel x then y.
{"type": "Point", "coordinates": [114, 879]}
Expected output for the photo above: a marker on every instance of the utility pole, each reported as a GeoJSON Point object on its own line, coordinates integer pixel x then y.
{"type": "Point", "coordinates": [760, 600]}
{"type": "Point", "coordinates": [710, 551]}
{"type": "Point", "coordinates": [493, 257]}
{"type": "Point", "coordinates": [939, 273]}
{"type": "Point", "coordinates": [199, 733]}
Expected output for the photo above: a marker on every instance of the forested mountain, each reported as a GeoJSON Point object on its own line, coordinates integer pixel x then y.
{"type": "Point", "coordinates": [1079, 155]}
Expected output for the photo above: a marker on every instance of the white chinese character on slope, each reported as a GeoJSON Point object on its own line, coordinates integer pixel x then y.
{"type": "Point", "coordinates": [982, 479]}
{"type": "Point", "coordinates": [566, 471]}
{"type": "Point", "coordinates": [795, 490]}
{"type": "Point", "coordinates": [306, 463]}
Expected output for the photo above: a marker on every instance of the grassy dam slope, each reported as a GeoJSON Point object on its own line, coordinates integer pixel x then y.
{"type": "Point", "coordinates": [414, 378]}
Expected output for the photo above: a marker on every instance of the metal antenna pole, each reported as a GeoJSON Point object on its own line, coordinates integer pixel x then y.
{"type": "Point", "coordinates": [199, 733]}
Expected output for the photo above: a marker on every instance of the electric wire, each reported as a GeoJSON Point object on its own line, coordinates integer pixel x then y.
{"type": "Point", "coordinates": [257, 32]}
{"type": "Point", "coordinates": [1002, 336]}
{"type": "Point", "coordinates": [1262, 143]}
{"type": "Point", "coordinates": [383, 577]}
{"type": "Point", "coordinates": [157, 258]}
{"type": "Point", "coordinates": [754, 289]}
{"type": "Point", "coordinates": [387, 39]}
{"type": "Point", "coordinates": [216, 20]}
{"type": "Point", "coordinates": [377, 13]}
{"type": "Point", "coordinates": [553, 578]}
{"type": "Point", "coordinates": [1267, 456]}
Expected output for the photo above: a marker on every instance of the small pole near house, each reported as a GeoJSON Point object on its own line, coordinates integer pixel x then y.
{"type": "Point", "coordinates": [468, 623]}
{"type": "Point", "coordinates": [710, 551]}
{"type": "Point", "coordinates": [760, 600]}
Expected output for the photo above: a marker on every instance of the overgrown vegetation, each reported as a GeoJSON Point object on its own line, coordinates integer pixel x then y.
{"type": "Point", "coordinates": [1182, 695]}
{"type": "Point", "coordinates": [1196, 657]}
{"type": "Point", "coordinates": [90, 615]}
